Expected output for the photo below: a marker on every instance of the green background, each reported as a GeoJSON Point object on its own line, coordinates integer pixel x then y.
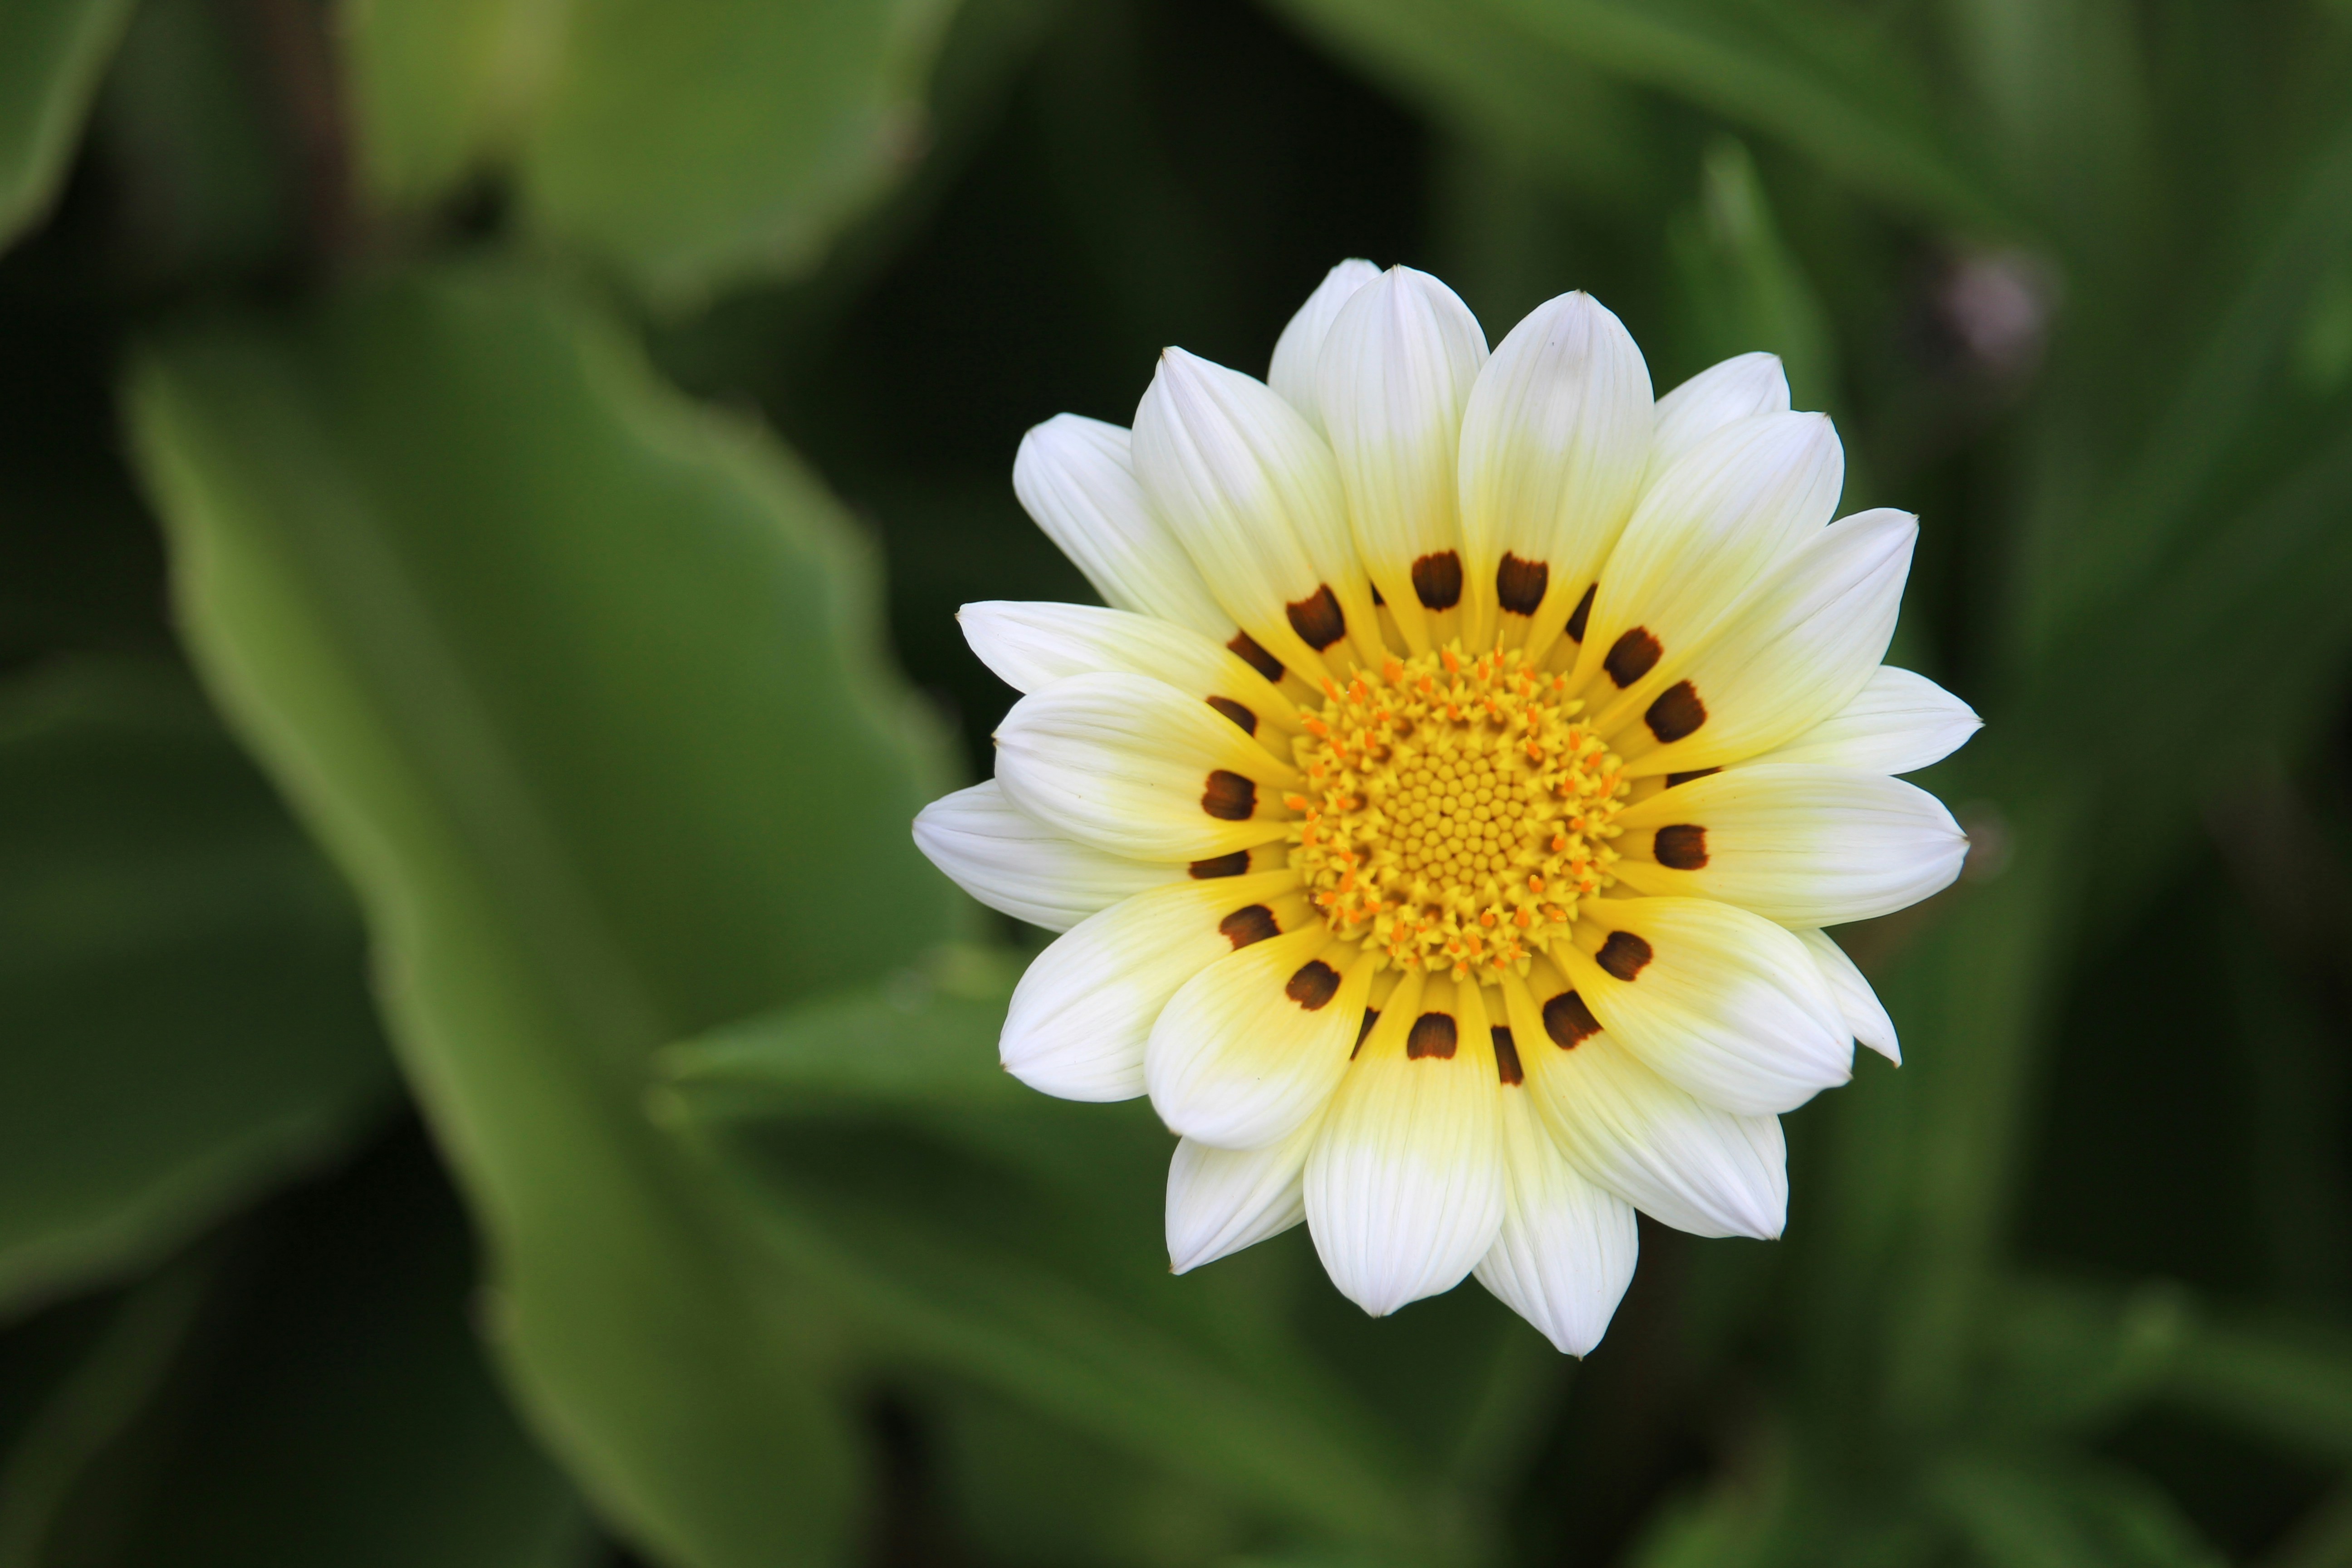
{"type": "Point", "coordinates": [486, 1080]}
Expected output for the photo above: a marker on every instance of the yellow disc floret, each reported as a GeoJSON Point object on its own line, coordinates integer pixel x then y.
{"type": "Point", "coordinates": [1454, 811]}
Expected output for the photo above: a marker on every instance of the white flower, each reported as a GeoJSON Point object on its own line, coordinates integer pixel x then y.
{"type": "Point", "coordinates": [1444, 819]}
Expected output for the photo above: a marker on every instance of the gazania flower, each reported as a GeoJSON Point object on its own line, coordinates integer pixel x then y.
{"type": "Point", "coordinates": [1444, 816]}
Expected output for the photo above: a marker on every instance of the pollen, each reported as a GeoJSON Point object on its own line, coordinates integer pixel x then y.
{"type": "Point", "coordinates": [1464, 798]}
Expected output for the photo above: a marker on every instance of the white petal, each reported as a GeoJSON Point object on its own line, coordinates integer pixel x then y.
{"type": "Point", "coordinates": [1681, 1162]}
{"type": "Point", "coordinates": [1395, 371]}
{"type": "Point", "coordinates": [1222, 1200]}
{"type": "Point", "coordinates": [1075, 478]}
{"type": "Point", "coordinates": [1898, 723]}
{"type": "Point", "coordinates": [1253, 495]}
{"type": "Point", "coordinates": [1554, 440]}
{"type": "Point", "coordinates": [1253, 1045]}
{"type": "Point", "coordinates": [1800, 649]}
{"type": "Point", "coordinates": [1014, 863]}
{"type": "Point", "coordinates": [1706, 532]}
{"type": "Point", "coordinates": [1080, 1018]}
{"type": "Point", "coordinates": [1565, 1250]}
{"type": "Point", "coordinates": [1404, 1188]}
{"type": "Point", "coordinates": [1134, 766]}
{"type": "Point", "coordinates": [1865, 1014]}
{"type": "Point", "coordinates": [1030, 646]}
{"type": "Point", "coordinates": [1738, 389]}
{"type": "Point", "coordinates": [1802, 845]}
{"type": "Point", "coordinates": [1292, 374]}
{"type": "Point", "coordinates": [1721, 1003]}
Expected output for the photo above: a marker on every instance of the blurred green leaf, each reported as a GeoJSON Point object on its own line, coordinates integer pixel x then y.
{"type": "Point", "coordinates": [189, 144]}
{"type": "Point", "coordinates": [2059, 91]}
{"type": "Point", "coordinates": [1730, 1526]}
{"type": "Point", "coordinates": [2013, 1517]}
{"type": "Point", "coordinates": [1743, 288]}
{"type": "Point", "coordinates": [2077, 1353]}
{"type": "Point", "coordinates": [181, 981]}
{"type": "Point", "coordinates": [578, 683]}
{"type": "Point", "coordinates": [739, 342]}
{"type": "Point", "coordinates": [985, 1229]}
{"type": "Point", "coordinates": [2291, 1382]}
{"type": "Point", "coordinates": [1032, 1491]}
{"type": "Point", "coordinates": [2322, 1539]}
{"type": "Point", "coordinates": [2272, 582]}
{"type": "Point", "coordinates": [2063, 1359]}
{"type": "Point", "coordinates": [52, 53]}
{"type": "Point", "coordinates": [1925, 1159]}
{"type": "Point", "coordinates": [2222, 396]}
{"type": "Point", "coordinates": [340, 1409]}
{"type": "Point", "coordinates": [305, 1391]}
{"type": "Point", "coordinates": [2045, 1511]}
{"type": "Point", "coordinates": [2323, 346]}
{"type": "Point", "coordinates": [93, 1404]}
{"type": "Point", "coordinates": [1819, 78]}
{"type": "Point", "coordinates": [926, 1038]}
{"type": "Point", "coordinates": [1473, 69]}
{"type": "Point", "coordinates": [691, 144]}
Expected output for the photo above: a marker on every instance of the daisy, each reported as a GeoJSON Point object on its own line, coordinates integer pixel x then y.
{"type": "Point", "coordinates": [1444, 816]}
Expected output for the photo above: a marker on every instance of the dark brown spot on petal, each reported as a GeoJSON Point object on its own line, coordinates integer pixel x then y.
{"type": "Point", "coordinates": [1624, 955]}
{"type": "Point", "coordinates": [1432, 1036]}
{"type": "Point", "coordinates": [1230, 798]}
{"type": "Point", "coordinates": [1579, 617]}
{"type": "Point", "coordinates": [1676, 712]}
{"type": "Point", "coordinates": [1254, 922]}
{"type": "Point", "coordinates": [1507, 1057]}
{"type": "Point", "coordinates": [1519, 584]}
{"type": "Point", "coordinates": [1437, 580]}
{"type": "Point", "coordinates": [1236, 712]}
{"type": "Point", "coordinates": [1682, 847]}
{"type": "Point", "coordinates": [1634, 656]}
{"type": "Point", "coordinates": [1256, 657]}
{"type": "Point", "coordinates": [1318, 620]}
{"type": "Point", "coordinates": [1314, 985]}
{"type": "Point", "coordinates": [1673, 779]}
{"type": "Point", "coordinates": [1568, 1021]}
{"type": "Point", "coordinates": [1232, 865]}
{"type": "Point", "coordinates": [1364, 1030]}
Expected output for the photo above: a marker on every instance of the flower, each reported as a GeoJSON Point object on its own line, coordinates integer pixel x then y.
{"type": "Point", "coordinates": [1443, 819]}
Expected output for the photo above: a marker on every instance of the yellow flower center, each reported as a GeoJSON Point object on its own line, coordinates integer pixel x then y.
{"type": "Point", "coordinates": [1454, 812]}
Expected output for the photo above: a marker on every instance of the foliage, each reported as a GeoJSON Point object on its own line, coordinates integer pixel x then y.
{"type": "Point", "coordinates": [514, 397]}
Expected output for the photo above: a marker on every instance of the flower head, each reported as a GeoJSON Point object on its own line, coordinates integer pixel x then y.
{"type": "Point", "coordinates": [1444, 819]}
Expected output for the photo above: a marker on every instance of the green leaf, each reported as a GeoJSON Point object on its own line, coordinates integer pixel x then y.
{"type": "Point", "coordinates": [190, 140]}
{"type": "Point", "coordinates": [306, 1390]}
{"type": "Point", "coordinates": [1471, 68]}
{"type": "Point", "coordinates": [579, 685]}
{"type": "Point", "coordinates": [2078, 1354]}
{"type": "Point", "coordinates": [2271, 581]}
{"type": "Point", "coordinates": [2290, 1381]}
{"type": "Point", "coordinates": [924, 1039]}
{"type": "Point", "coordinates": [181, 981]}
{"type": "Point", "coordinates": [1025, 1490]}
{"type": "Point", "coordinates": [690, 143]}
{"type": "Point", "coordinates": [2040, 1512]}
{"type": "Point", "coordinates": [1743, 288]}
{"type": "Point", "coordinates": [51, 55]}
{"type": "Point", "coordinates": [1819, 78]}
{"type": "Point", "coordinates": [982, 1228]}
{"type": "Point", "coordinates": [1916, 1193]}
{"type": "Point", "coordinates": [2321, 1538]}
{"type": "Point", "coordinates": [2222, 400]}
{"type": "Point", "coordinates": [2060, 95]}
{"type": "Point", "coordinates": [2063, 1359]}
{"type": "Point", "coordinates": [94, 1405]}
